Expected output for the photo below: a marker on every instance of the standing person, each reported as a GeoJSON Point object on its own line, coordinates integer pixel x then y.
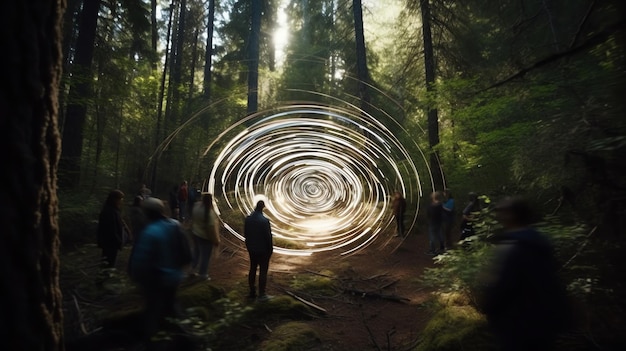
{"type": "Point", "coordinates": [157, 263]}
{"type": "Point", "coordinates": [467, 228]}
{"type": "Point", "coordinates": [205, 230]}
{"type": "Point", "coordinates": [144, 191]}
{"type": "Point", "coordinates": [523, 299]}
{"type": "Point", "coordinates": [192, 197]}
{"type": "Point", "coordinates": [447, 217]}
{"type": "Point", "coordinates": [435, 213]}
{"type": "Point", "coordinates": [137, 217]}
{"type": "Point", "coordinates": [399, 206]}
{"type": "Point", "coordinates": [111, 228]}
{"type": "Point", "coordinates": [183, 197]}
{"type": "Point", "coordinates": [258, 234]}
{"type": "Point", "coordinates": [173, 202]}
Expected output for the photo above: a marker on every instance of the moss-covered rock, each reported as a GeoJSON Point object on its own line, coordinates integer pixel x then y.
{"type": "Point", "coordinates": [456, 328]}
{"type": "Point", "coordinates": [199, 294]}
{"type": "Point", "coordinates": [292, 336]}
{"type": "Point", "coordinates": [279, 307]}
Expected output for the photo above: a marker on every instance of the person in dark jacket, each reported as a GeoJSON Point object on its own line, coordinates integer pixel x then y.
{"type": "Point", "coordinates": [258, 234]}
{"type": "Point", "coordinates": [435, 218]}
{"type": "Point", "coordinates": [467, 227]}
{"type": "Point", "coordinates": [523, 298]}
{"type": "Point", "coordinates": [110, 234]}
{"type": "Point", "coordinates": [399, 207]}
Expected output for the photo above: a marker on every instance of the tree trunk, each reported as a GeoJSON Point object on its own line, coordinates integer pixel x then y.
{"type": "Point", "coordinates": [31, 317]}
{"type": "Point", "coordinates": [253, 57]}
{"type": "Point", "coordinates": [361, 57]}
{"type": "Point", "coordinates": [194, 60]}
{"type": "Point", "coordinates": [209, 51]}
{"type": "Point", "coordinates": [433, 118]}
{"type": "Point", "coordinates": [154, 31]}
{"type": "Point", "coordinates": [80, 91]}
{"type": "Point", "coordinates": [177, 63]}
{"type": "Point", "coordinates": [159, 124]}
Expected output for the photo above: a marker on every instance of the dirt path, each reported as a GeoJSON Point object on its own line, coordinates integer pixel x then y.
{"type": "Point", "coordinates": [354, 321]}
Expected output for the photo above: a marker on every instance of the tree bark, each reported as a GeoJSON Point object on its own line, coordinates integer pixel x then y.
{"type": "Point", "coordinates": [80, 91]}
{"type": "Point", "coordinates": [433, 117]}
{"type": "Point", "coordinates": [253, 57]}
{"type": "Point", "coordinates": [30, 307]}
{"type": "Point", "coordinates": [361, 56]}
{"type": "Point", "coordinates": [208, 57]}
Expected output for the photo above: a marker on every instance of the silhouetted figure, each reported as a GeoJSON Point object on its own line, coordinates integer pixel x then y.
{"type": "Point", "coordinates": [144, 191]}
{"type": "Point", "coordinates": [258, 236]}
{"type": "Point", "coordinates": [523, 299]}
{"type": "Point", "coordinates": [110, 234]}
{"type": "Point", "coordinates": [157, 263]}
{"type": "Point", "coordinates": [447, 220]}
{"type": "Point", "coordinates": [137, 217]}
{"type": "Point", "coordinates": [183, 197]}
{"type": "Point", "coordinates": [205, 230]}
{"type": "Point", "coordinates": [399, 207]}
{"type": "Point", "coordinates": [467, 227]}
{"type": "Point", "coordinates": [173, 202]}
{"type": "Point", "coordinates": [435, 218]}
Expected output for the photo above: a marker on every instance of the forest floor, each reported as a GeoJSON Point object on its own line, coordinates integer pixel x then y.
{"type": "Point", "coordinates": [371, 300]}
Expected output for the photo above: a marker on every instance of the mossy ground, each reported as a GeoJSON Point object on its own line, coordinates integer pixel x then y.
{"type": "Point", "coordinates": [455, 326]}
{"type": "Point", "coordinates": [292, 336]}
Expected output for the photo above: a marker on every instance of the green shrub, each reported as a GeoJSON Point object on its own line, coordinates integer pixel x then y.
{"type": "Point", "coordinates": [292, 336]}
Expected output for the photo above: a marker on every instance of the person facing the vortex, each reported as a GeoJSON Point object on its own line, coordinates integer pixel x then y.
{"type": "Point", "coordinates": [258, 235]}
{"type": "Point", "coordinates": [399, 206]}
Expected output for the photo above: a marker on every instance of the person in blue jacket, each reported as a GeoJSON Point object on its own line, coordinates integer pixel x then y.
{"type": "Point", "coordinates": [157, 262]}
{"type": "Point", "coordinates": [258, 234]}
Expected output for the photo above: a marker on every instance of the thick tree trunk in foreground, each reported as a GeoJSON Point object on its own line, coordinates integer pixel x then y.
{"type": "Point", "coordinates": [30, 307]}
{"type": "Point", "coordinates": [433, 117]}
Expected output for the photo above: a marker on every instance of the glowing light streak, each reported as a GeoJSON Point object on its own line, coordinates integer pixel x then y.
{"type": "Point", "coordinates": [325, 173]}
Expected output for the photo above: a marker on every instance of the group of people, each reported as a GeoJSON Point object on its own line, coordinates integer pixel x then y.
{"type": "Point", "coordinates": [441, 218]}
{"type": "Point", "coordinates": [181, 200]}
{"type": "Point", "coordinates": [161, 255]}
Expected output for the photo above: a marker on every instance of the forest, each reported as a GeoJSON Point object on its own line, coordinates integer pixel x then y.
{"type": "Point", "coordinates": [326, 108]}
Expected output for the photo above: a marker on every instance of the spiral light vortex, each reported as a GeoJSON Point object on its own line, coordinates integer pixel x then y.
{"type": "Point", "coordinates": [327, 175]}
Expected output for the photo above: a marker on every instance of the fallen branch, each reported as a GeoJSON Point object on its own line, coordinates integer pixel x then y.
{"type": "Point", "coordinates": [369, 331]}
{"type": "Point", "coordinates": [320, 274]}
{"type": "Point", "coordinates": [581, 248]}
{"type": "Point", "coordinates": [80, 315]}
{"type": "Point", "coordinates": [375, 295]}
{"type": "Point", "coordinates": [389, 284]}
{"type": "Point", "coordinates": [308, 303]}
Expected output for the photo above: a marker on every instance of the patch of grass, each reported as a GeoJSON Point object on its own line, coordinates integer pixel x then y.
{"type": "Point", "coordinates": [288, 244]}
{"type": "Point", "coordinates": [292, 336]}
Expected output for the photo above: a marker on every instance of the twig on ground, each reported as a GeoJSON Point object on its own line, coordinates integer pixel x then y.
{"type": "Point", "coordinates": [80, 316]}
{"type": "Point", "coordinates": [389, 284]}
{"type": "Point", "coordinates": [580, 249]}
{"type": "Point", "coordinates": [320, 274]}
{"type": "Point", "coordinates": [267, 328]}
{"type": "Point", "coordinates": [369, 331]}
{"type": "Point", "coordinates": [308, 303]}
